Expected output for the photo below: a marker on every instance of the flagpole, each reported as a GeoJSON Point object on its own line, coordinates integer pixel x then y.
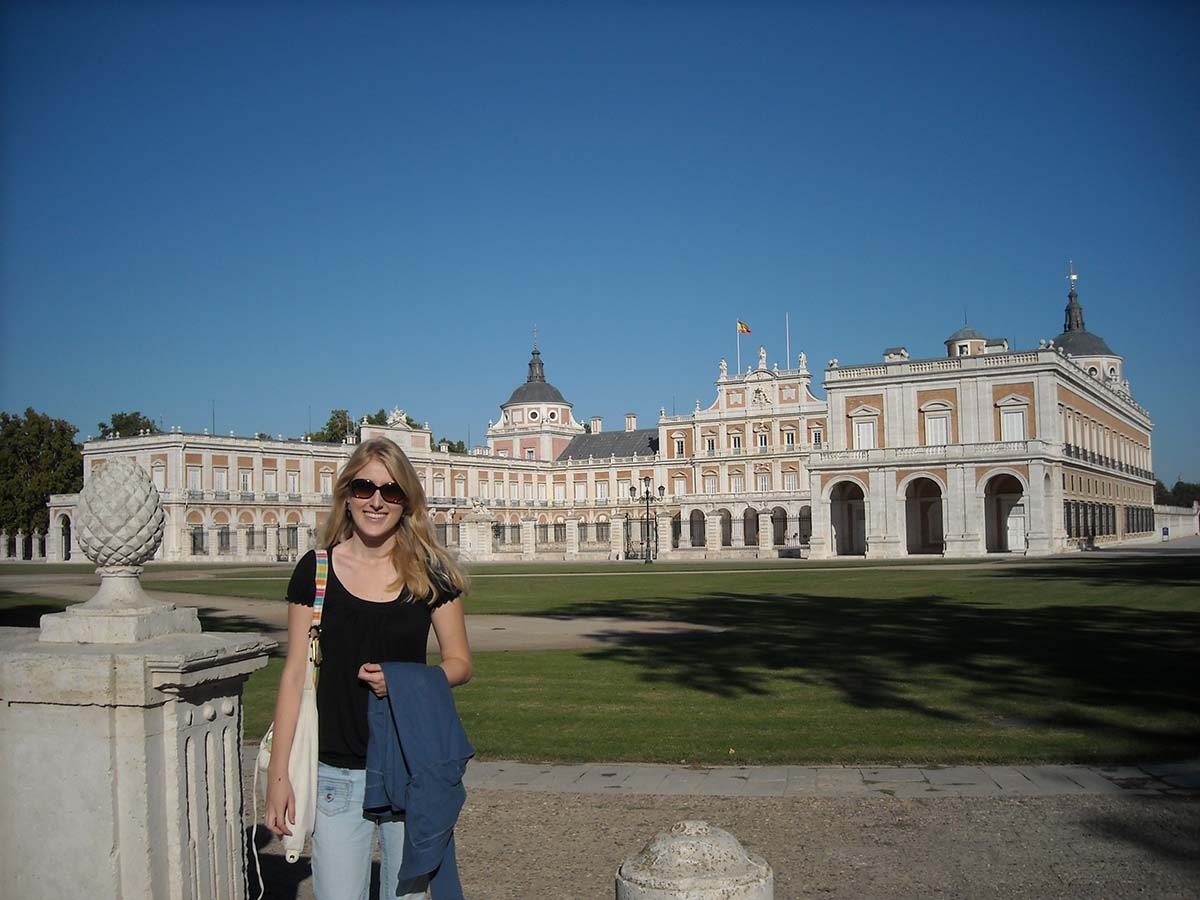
{"type": "Point", "coordinates": [787, 330]}
{"type": "Point", "coordinates": [737, 329]}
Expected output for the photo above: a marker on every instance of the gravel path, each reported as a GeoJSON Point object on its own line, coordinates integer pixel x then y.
{"type": "Point", "coordinates": [537, 846]}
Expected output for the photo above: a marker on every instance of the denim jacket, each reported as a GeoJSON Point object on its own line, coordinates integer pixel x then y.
{"type": "Point", "coordinates": [417, 753]}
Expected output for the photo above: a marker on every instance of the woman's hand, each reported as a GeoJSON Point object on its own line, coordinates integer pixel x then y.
{"type": "Point", "coordinates": [281, 806]}
{"type": "Point", "coordinates": [372, 675]}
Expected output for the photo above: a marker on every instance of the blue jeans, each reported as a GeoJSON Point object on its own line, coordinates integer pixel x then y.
{"type": "Point", "coordinates": [344, 837]}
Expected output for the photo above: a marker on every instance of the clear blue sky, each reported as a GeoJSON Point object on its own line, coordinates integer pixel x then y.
{"type": "Point", "coordinates": [280, 206]}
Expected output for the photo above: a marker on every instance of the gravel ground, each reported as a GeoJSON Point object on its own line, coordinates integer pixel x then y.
{"type": "Point", "coordinates": [568, 846]}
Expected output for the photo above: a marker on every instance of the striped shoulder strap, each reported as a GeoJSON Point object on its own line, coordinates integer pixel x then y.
{"type": "Point", "coordinates": [322, 578]}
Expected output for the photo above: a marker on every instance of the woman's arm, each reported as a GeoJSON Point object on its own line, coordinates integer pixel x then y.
{"type": "Point", "coordinates": [450, 626]}
{"type": "Point", "coordinates": [281, 802]}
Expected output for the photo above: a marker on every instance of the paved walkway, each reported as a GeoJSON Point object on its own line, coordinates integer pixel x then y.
{"type": "Point", "coordinates": [1169, 779]}
{"type": "Point", "coordinates": [1180, 779]}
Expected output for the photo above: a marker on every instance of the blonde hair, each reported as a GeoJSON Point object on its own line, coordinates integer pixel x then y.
{"type": "Point", "coordinates": [416, 554]}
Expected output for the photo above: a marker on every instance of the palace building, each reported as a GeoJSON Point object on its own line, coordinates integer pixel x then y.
{"type": "Point", "coordinates": [985, 449]}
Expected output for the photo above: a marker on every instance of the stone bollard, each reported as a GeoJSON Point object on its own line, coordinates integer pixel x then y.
{"type": "Point", "coordinates": [3, 545]}
{"type": "Point", "coordinates": [694, 861]}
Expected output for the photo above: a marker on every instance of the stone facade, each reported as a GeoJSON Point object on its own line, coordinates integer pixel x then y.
{"type": "Point", "coordinates": [985, 449]}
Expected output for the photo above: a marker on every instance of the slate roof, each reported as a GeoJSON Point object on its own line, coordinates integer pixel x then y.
{"type": "Point", "coordinates": [642, 441]}
{"type": "Point", "coordinates": [1083, 343]}
{"type": "Point", "coordinates": [535, 392]}
{"type": "Point", "coordinates": [536, 388]}
{"type": "Point", "coordinates": [966, 333]}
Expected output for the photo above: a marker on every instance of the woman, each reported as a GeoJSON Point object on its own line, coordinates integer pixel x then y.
{"type": "Point", "coordinates": [388, 581]}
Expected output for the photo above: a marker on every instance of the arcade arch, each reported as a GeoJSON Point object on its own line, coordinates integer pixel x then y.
{"type": "Point", "coordinates": [848, 519]}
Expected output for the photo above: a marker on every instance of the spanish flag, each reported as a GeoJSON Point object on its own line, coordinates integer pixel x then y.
{"type": "Point", "coordinates": [743, 328]}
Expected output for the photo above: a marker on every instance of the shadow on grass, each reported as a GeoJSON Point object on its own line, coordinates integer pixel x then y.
{"type": "Point", "coordinates": [1114, 672]}
{"type": "Point", "coordinates": [1179, 568]}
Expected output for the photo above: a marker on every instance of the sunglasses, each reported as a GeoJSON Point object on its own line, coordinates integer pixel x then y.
{"type": "Point", "coordinates": [365, 488]}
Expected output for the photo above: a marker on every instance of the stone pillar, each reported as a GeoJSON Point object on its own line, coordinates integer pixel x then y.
{"type": "Point", "coordinates": [19, 548]}
{"type": "Point", "coordinates": [818, 541]}
{"type": "Point", "coordinates": [53, 541]}
{"type": "Point", "coordinates": [739, 531]}
{"type": "Point", "coordinates": [884, 539]}
{"type": "Point", "coordinates": [4, 545]}
{"type": "Point", "coordinates": [694, 861]}
{"type": "Point", "coordinates": [39, 545]}
{"type": "Point", "coordinates": [572, 536]}
{"type": "Point", "coordinates": [712, 533]}
{"type": "Point", "coordinates": [964, 514]}
{"type": "Point", "coordinates": [272, 542]}
{"type": "Point", "coordinates": [528, 538]}
{"type": "Point", "coordinates": [211, 535]}
{"type": "Point", "coordinates": [120, 710]}
{"type": "Point", "coordinates": [240, 541]}
{"type": "Point", "coordinates": [764, 531]}
{"type": "Point", "coordinates": [663, 525]}
{"type": "Point", "coordinates": [1039, 510]}
{"type": "Point", "coordinates": [685, 529]}
{"type": "Point", "coordinates": [616, 536]}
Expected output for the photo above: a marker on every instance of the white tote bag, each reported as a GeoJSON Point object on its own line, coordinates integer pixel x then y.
{"type": "Point", "coordinates": [302, 760]}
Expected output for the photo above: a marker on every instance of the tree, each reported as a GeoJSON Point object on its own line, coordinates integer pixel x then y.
{"type": "Point", "coordinates": [336, 428]}
{"type": "Point", "coordinates": [379, 418]}
{"type": "Point", "coordinates": [1184, 493]}
{"type": "Point", "coordinates": [1161, 495]}
{"type": "Point", "coordinates": [38, 457]}
{"type": "Point", "coordinates": [126, 424]}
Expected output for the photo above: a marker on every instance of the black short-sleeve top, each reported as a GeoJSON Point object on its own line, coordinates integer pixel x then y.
{"type": "Point", "coordinates": [356, 631]}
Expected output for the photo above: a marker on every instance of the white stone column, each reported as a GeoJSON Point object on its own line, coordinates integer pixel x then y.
{"type": "Point", "coordinates": [214, 542]}
{"type": "Point", "coordinates": [879, 542]}
{"type": "Point", "coordinates": [685, 529]}
{"type": "Point", "coordinates": [240, 542]}
{"type": "Point", "coordinates": [965, 526]}
{"type": "Point", "coordinates": [1039, 510]}
{"type": "Point", "coordinates": [616, 536]}
{"type": "Point", "coordinates": [39, 545]}
{"type": "Point", "coordinates": [738, 529]}
{"type": "Point", "coordinates": [528, 538]}
{"type": "Point", "coordinates": [818, 541]}
{"type": "Point", "coordinates": [4, 545]}
{"type": "Point", "coordinates": [663, 526]}
{"type": "Point", "coordinates": [19, 548]}
{"type": "Point", "coordinates": [572, 536]}
{"type": "Point", "coordinates": [764, 531]}
{"type": "Point", "coordinates": [120, 710]}
{"type": "Point", "coordinates": [53, 542]}
{"type": "Point", "coordinates": [272, 542]}
{"type": "Point", "coordinates": [712, 533]}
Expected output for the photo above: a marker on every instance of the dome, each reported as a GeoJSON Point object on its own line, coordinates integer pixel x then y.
{"type": "Point", "coordinates": [535, 392]}
{"type": "Point", "coordinates": [1075, 338]}
{"type": "Point", "coordinates": [535, 389]}
{"type": "Point", "coordinates": [1083, 343]}
{"type": "Point", "coordinates": [966, 333]}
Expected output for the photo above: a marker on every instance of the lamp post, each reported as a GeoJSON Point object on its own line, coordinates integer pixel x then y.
{"type": "Point", "coordinates": [647, 496]}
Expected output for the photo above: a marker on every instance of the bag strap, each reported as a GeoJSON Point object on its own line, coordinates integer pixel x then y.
{"type": "Point", "coordinates": [322, 578]}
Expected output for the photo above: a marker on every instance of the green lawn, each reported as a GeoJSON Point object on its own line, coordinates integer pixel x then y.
{"type": "Point", "coordinates": [1084, 659]}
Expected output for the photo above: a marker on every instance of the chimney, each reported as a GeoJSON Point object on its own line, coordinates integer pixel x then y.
{"type": "Point", "coordinates": [630, 421]}
{"type": "Point", "coordinates": [596, 422]}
